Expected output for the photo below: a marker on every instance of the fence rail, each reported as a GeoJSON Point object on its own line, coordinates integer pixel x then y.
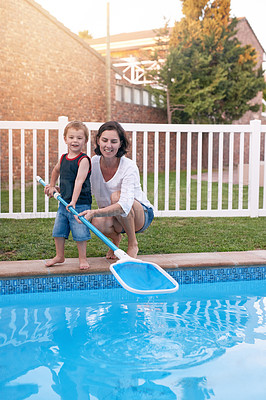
{"type": "Point", "coordinates": [187, 170]}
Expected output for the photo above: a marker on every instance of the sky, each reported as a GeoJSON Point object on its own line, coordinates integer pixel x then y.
{"type": "Point", "coordinates": [138, 15]}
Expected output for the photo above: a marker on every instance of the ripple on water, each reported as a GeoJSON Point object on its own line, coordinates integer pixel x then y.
{"type": "Point", "coordinates": [160, 339]}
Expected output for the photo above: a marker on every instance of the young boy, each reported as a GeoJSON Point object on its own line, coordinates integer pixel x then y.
{"type": "Point", "coordinates": [74, 169]}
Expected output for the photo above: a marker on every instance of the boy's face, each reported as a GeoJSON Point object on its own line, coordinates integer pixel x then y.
{"type": "Point", "coordinates": [75, 140]}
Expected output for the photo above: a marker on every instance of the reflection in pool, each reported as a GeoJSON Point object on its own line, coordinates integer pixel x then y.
{"type": "Point", "coordinates": [204, 342]}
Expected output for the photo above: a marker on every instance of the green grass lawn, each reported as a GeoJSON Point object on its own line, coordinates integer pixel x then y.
{"type": "Point", "coordinates": [31, 239]}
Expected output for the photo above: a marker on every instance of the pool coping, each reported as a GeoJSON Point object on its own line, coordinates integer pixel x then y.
{"type": "Point", "coordinates": [100, 265]}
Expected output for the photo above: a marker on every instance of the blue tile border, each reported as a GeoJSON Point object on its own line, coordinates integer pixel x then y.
{"type": "Point", "coordinates": [107, 281]}
{"type": "Point", "coordinates": [57, 283]}
{"type": "Point", "coordinates": [221, 274]}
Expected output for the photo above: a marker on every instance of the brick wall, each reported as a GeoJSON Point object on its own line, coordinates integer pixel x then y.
{"type": "Point", "coordinates": [47, 71]}
{"type": "Point", "coordinates": [246, 36]}
{"type": "Point", "coordinates": [126, 112]}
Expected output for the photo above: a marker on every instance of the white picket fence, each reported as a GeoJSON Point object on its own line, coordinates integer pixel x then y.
{"type": "Point", "coordinates": [224, 189]}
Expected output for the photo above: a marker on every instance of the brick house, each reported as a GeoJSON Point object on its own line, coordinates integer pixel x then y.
{"type": "Point", "coordinates": [48, 71]}
{"type": "Point", "coordinates": [141, 45]}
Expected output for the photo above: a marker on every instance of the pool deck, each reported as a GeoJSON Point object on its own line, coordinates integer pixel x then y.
{"type": "Point", "coordinates": [12, 269]}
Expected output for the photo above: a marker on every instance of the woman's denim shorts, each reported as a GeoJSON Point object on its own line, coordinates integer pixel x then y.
{"type": "Point", "coordinates": [65, 222]}
{"type": "Point", "coordinates": [148, 217]}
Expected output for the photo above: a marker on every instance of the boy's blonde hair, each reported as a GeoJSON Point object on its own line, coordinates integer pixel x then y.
{"type": "Point", "coordinates": [77, 125]}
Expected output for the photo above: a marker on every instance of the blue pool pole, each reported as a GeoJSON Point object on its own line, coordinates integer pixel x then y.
{"type": "Point", "coordinates": [96, 231]}
{"type": "Point", "coordinates": [124, 258]}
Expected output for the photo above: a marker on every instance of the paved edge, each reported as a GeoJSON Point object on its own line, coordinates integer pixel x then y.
{"type": "Point", "coordinates": [27, 268]}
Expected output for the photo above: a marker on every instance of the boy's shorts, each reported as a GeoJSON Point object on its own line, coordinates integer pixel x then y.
{"type": "Point", "coordinates": [65, 222]}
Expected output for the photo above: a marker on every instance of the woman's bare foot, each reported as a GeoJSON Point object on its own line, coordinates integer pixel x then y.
{"type": "Point", "coordinates": [132, 251]}
{"type": "Point", "coordinates": [55, 260]}
{"type": "Point", "coordinates": [116, 240]}
{"type": "Point", "coordinates": [84, 264]}
{"type": "Point", "coordinates": [110, 255]}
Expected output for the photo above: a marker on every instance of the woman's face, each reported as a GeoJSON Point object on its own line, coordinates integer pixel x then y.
{"type": "Point", "coordinates": [109, 143]}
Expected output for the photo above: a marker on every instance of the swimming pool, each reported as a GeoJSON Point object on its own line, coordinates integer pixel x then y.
{"type": "Point", "coordinates": [206, 341]}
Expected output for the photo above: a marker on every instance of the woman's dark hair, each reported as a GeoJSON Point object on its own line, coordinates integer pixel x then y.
{"type": "Point", "coordinates": [113, 126]}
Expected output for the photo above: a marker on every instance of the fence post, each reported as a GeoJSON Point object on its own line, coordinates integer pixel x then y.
{"type": "Point", "coordinates": [254, 168]}
{"type": "Point", "coordinates": [62, 147]}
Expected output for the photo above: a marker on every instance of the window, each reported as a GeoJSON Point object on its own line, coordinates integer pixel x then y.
{"type": "Point", "coordinates": [145, 98]}
{"type": "Point", "coordinates": [153, 101]}
{"type": "Point", "coordinates": [119, 93]}
{"type": "Point", "coordinates": [127, 94]}
{"type": "Point", "coordinates": [137, 96]}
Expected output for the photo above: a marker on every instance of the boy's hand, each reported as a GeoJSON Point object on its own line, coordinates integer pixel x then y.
{"type": "Point", "coordinates": [71, 204]}
{"type": "Point", "coordinates": [46, 189]}
{"type": "Point", "coordinates": [50, 190]}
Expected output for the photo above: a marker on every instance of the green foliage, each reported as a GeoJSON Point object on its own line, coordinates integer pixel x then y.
{"type": "Point", "coordinates": [162, 41]}
{"type": "Point", "coordinates": [208, 77]}
{"type": "Point", "coordinates": [264, 97]}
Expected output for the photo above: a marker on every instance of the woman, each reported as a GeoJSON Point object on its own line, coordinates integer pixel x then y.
{"type": "Point", "coordinates": [115, 182]}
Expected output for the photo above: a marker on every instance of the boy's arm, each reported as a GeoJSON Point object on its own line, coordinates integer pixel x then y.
{"type": "Point", "coordinates": [83, 171]}
{"type": "Point", "coordinates": [50, 188]}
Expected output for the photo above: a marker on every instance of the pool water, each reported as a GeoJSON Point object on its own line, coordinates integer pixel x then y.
{"type": "Point", "coordinates": [206, 341]}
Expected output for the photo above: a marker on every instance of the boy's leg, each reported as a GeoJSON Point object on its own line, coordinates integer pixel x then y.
{"type": "Point", "coordinates": [60, 234]}
{"type": "Point", "coordinates": [81, 234]}
{"type": "Point", "coordinates": [82, 247]}
{"type": "Point", "coordinates": [60, 248]}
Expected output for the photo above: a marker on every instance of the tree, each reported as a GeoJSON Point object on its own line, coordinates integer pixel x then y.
{"type": "Point", "coordinates": [161, 47]}
{"type": "Point", "coordinates": [85, 35]}
{"type": "Point", "coordinates": [208, 77]}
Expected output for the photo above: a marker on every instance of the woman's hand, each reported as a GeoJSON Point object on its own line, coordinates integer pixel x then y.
{"type": "Point", "coordinates": [87, 214]}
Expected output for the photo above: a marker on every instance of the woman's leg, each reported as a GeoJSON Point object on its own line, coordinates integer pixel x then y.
{"type": "Point", "coordinates": [106, 226]}
{"type": "Point", "coordinates": [132, 223]}
{"type": "Point", "coordinates": [113, 226]}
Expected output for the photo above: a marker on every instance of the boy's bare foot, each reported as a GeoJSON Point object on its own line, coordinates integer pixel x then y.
{"type": "Point", "coordinates": [132, 251]}
{"type": "Point", "coordinates": [84, 264]}
{"type": "Point", "coordinates": [55, 260]}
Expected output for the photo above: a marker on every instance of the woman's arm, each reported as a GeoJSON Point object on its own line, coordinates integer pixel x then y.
{"type": "Point", "coordinates": [127, 179]}
{"type": "Point", "coordinates": [109, 211]}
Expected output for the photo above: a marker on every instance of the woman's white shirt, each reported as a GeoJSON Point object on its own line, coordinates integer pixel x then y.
{"type": "Point", "coordinates": [126, 180]}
